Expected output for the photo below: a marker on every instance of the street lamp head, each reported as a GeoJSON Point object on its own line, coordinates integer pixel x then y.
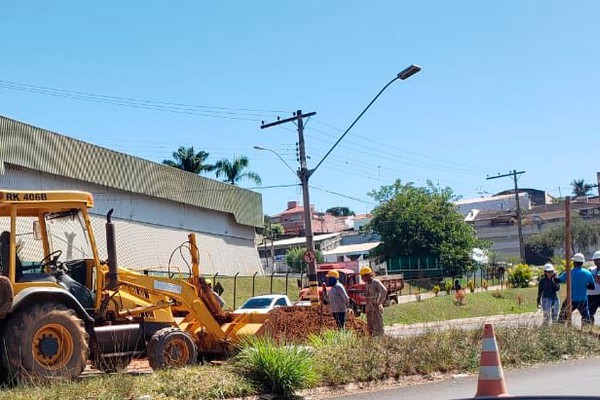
{"type": "Point", "coordinates": [408, 72]}
{"type": "Point", "coordinates": [259, 148]}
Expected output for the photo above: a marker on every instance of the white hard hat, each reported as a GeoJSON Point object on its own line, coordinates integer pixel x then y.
{"type": "Point", "coordinates": [548, 268]}
{"type": "Point", "coordinates": [578, 257]}
{"type": "Point", "coordinates": [596, 255]}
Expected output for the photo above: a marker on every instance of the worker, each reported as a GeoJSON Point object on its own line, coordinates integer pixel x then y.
{"type": "Point", "coordinates": [594, 295]}
{"type": "Point", "coordinates": [581, 281]}
{"type": "Point", "coordinates": [547, 297]}
{"type": "Point", "coordinates": [336, 297]}
{"type": "Point", "coordinates": [375, 295]}
{"type": "Point", "coordinates": [215, 294]}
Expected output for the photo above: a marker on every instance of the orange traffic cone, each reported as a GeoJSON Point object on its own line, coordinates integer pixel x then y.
{"type": "Point", "coordinates": [491, 378]}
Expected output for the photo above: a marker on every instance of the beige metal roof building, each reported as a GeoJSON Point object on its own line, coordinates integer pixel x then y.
{"type": "Point", "coordinates": [155, 205]}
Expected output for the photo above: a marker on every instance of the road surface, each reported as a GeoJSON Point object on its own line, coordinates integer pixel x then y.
{"type": "Point", "coordinates": [575, 378]}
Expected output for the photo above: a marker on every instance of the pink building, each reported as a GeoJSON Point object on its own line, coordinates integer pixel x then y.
{"type": "Point", "coordinates": [292, 220]}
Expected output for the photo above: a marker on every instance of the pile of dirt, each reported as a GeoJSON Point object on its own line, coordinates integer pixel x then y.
{"type": "Point", "coordinates": [297, 323]}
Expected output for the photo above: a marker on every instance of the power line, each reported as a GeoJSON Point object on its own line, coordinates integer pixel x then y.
{"type": "Point", "coordinates": [180, 108]}
{"type": "Point", "coordinates": [342, 195]}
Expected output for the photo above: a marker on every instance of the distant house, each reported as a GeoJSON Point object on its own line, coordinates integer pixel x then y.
{"type": "Point", "coordinates": [292, 220]}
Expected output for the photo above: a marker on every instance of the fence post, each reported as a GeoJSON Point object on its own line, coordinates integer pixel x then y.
{"type": "Point", "coordinates": [235, 287]}
{"type": "Point", "coordinates": [286, 282]}
{"type": "Point", "coordinates": [271, 291]}
{"type": "Point", "coordinates": [253, 278]}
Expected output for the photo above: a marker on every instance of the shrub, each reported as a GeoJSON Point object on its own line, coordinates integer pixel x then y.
{"type": "Point", "coordinates": [448, 287]}
{"type": "Point", "coordinates": [520, 275]}
{"type": "Point", "coordinates": [471, 286]}
{"type": "Point", "coordinates": [280, 370]}
{"type": "Point", "coordinates": [436, 290]}
{"type": "Point", "coordinates": [485, 285]}
{"type": "Point", "coordinates": [460, 297]}
{"type": "Point", "coordinates": [498, 294]}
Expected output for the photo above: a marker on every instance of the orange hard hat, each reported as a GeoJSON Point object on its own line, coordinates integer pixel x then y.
{"type": "Point", "coordinates": [333, 274]}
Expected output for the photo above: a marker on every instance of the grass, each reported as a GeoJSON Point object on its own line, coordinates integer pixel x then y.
{"type": "Point", "coordinates": [336, 358]}
{"type": "Point", "coordinates": [478, 304]}
{"type": "Point", "coordinates": [262, 285]}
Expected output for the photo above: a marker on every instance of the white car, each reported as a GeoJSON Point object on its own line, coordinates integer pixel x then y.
{"type": "Point", "coordinates": [263, 304]}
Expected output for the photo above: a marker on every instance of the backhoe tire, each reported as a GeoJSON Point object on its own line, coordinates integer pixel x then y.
{"type": "Point", "coordinates": [112, 364]}
{"type": "Point", "coordinates": [171, 347]}
{"type": "Point", "coordinates": [45, 341]}
{"type": "Point", "coordinates": [6, 296]}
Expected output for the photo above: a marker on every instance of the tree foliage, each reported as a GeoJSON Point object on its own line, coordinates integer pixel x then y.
{"type": "Point", "coordinates": [585, 235]}
{"type": "Point", "coordinates": [234, 171]}
{"type": "Point", "coordinates": [295, 259]}
{"type": "Point", "coordinates": [422, 221]}
{"type": "Point", "coordinates": [187, 159]}
{"type": "Point", "coordinates": [580, 188]}
{"type": "Point", "coordinates": [340, 211]}
{"type": "Point", "coordinates": [272, 230]}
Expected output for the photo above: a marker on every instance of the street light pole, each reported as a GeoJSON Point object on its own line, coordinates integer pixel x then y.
{"type": "Point", "coordinates": [304, 174]}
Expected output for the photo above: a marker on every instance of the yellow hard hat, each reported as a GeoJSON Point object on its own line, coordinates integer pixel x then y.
{"type": "Point", "coordinates": [208, 281]}
{"type": "Point", "coordinates": [333, 274]}
{"type": "Point", "coordinates": [365, 271]}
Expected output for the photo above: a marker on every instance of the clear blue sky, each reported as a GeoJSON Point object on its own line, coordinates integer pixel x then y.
{"type": "Point", "coordinates": [505, 85]}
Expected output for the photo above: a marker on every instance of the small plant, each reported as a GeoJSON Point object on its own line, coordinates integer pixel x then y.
{"type": "Point", "coordinates": [520, 300]}
{"type": "Point", "coordinates": [436, 290]}
{"type": "Point", "coordinates": [448, 287]}
{"type": "Point", "coordinates": [498, 294]}
{"type": "Point", "coordinates": [485, 285]}
{"type": "Point", "coordinates": [282, 370]}
{"type": "Point", "coordinates": [418, 295]}
{"type": "Point", "coordinates": [471, 286]}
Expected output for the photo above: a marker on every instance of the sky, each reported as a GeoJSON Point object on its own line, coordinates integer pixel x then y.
{"type": "Point", "coordinates": [511, 85]}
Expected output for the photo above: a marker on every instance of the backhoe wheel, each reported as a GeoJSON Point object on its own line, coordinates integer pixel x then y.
{"type": "Point", "coordinates": [44, 341]}
{"type": "Point", "coordinates": [171, 347]}
{"type": "Point", "coordinates": [6, 296]}
{"type": "Point", "coordinates": [112, 364]}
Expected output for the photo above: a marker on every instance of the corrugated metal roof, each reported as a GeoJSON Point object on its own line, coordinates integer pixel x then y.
{"type": "Point", "coordinates": [41, 150]}
{"type": "Point", "coordinates": [351, 248]}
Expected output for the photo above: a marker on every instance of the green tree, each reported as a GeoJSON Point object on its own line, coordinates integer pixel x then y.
{"type": "Point", "coordinates": [580, 188]}
{"type": "Point", "coordinates": [272, 230]}
{"type": "Point", "coordinates": [233, 172]}
{"type": "Point", "coordinates": [294, 259]}
{"type": "Point", "coordinates": [340, 211]}
{"type": "Point", "coordinates": [186, 159]}
{"type": "Point", "coordinates": [585, 235]}
{"type": "Point", "coordinates": [422, 221]}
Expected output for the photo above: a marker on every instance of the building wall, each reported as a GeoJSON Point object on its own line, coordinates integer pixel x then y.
{"type": "Point", "coordinates": [150, 230]}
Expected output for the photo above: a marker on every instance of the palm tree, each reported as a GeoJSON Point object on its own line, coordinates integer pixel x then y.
{"type": "Point", "coordinates": [187, 160]}
{"type": "Point", "coordinates": [580, 188]}
{"type": "Point", "coordinates": [233, 171]}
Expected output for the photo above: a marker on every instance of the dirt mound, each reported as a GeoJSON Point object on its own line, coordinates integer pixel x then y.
{"type": "Point", "coordinates": [297, 323]}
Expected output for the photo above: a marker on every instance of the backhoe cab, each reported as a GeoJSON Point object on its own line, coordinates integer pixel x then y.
{"type": "Point", "coordinates": [61, 305]}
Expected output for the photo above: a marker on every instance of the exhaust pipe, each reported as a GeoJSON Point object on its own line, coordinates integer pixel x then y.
{"type": "Point", "coordinates": [111, 249]}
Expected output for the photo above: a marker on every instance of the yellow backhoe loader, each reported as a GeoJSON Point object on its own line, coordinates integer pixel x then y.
{"type": "Point", "coordinates": [68, 306]}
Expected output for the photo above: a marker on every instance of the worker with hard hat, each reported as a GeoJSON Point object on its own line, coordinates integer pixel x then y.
{"type": "Point", "coordinates": [594, 295]}
{"type": "Point", "coordinates": [337, 298]}
{"type": "Point", "coordinates": [547, 296]}
{"type": "Point", "coordinates": [581, 281]}
{"type": "Point", "coordinates": [375, 295]}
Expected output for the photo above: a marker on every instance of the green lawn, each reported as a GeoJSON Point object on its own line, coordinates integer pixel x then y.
{"type": "Point", "coordinates": [480, 304]}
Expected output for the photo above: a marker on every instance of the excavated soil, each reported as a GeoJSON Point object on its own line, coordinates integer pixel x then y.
{"type": "Point", "coordinates": [297, 323]}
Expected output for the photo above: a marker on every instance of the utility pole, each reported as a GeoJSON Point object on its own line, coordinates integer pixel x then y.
{"type": "Point", "coordinates": [304, 173]}
{"type": "Point", "coordinates": [515, 175]}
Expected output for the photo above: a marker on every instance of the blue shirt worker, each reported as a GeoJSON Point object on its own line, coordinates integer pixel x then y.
{"type": "Point", "coordinates": [337, 298]}
{"type": "Point", "coordinates": [594, 295]}
{"type": "Point", "coordinates": [581, 281]}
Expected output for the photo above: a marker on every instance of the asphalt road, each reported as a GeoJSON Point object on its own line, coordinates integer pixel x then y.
{"type": "Point", "coordinates": [570, 378]}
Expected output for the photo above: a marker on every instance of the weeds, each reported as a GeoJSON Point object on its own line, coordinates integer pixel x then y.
{"type": "Point", "coordinates": [279, 370]}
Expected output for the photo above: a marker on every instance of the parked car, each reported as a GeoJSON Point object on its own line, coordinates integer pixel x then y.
{"type": "Point", "coordinates": [263, 304]}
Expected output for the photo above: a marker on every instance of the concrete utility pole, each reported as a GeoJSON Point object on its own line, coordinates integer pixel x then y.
{"type": "Point", "coordinates": [304, 173]}
{"type": "Point", "coordinates": [515, 175]}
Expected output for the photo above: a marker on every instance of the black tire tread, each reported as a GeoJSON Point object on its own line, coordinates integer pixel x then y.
{"type": "Point", "coordinates": [157, 344]}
